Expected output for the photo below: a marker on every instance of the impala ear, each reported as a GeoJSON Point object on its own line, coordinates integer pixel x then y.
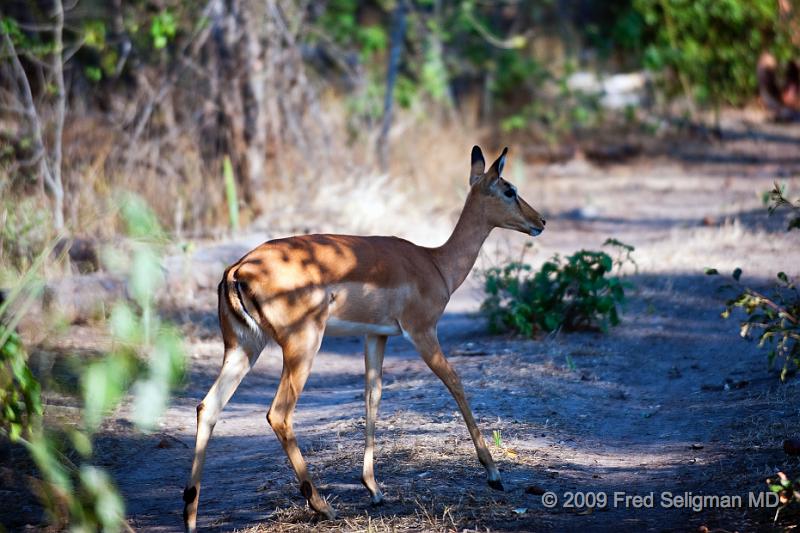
{"type": "Point", "coordinates": [496, 170]}
{"type": "Point", "coordinates": [478, 165]}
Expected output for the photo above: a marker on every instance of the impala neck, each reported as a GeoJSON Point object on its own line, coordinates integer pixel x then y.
{"type": "Point", "coordinates": [457, 256]}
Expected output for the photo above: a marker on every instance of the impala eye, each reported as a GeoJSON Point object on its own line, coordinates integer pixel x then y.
{"type": "Point", "coordinates": [510, 193]}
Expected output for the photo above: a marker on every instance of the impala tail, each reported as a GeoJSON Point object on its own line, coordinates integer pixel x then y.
{"type": "Point", "coordinates": [233, 299]}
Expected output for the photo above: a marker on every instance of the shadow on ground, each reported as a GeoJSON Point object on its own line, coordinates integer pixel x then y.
{"type": "Point", "coordinates": [671, 400]}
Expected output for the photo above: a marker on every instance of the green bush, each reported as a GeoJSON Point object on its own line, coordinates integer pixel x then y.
{"type": "Point", "coordinates": [713, 45]}
{"type": "Point", "coordinates": [576, 292]}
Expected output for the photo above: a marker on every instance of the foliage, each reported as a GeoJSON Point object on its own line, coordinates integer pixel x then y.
{"type": "Point", "coordinates": [162, 29]}
{"type": "Point", "coordinates": [788, 490]}
{"type": "Point", "coordinates": [453, 45]}
{"type": "Point", "coordinates": [713, 45]}
{"type": "Point", "coordinates": [497, 438]}
{"type": "Point", "coordinates": [773, 318]}
{"type": "Point", "coordinates": [777, 200]}
{"type": "Point", "coordinates": [576, 292]}
{"type": "Point", "coordinates": [146, 359]}
{"type": "Point", "coordinates": [19, 390]}
{"type": "Point", "coordinates": [138, 332]}
{"type": "Point", "coordinates": [24, 231]}
{"type": "Point", "coordinates": [558, 114]}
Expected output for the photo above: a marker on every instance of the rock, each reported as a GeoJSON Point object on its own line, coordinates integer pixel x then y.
{"type": "Point", "coordinates": [536, 490]}
{"type": "Point", "coordinates": [82, 253]}
{"type": "Point", "coordinates": [543, 153]}
{"type": "Point", "coordinates": [616, 91]}
{"type": "Point", "coordinates": [791, 446]}
{"type": "Point", "coordinates": [82, 298]}
{"type": "Point", "coordinates": [612, 152]}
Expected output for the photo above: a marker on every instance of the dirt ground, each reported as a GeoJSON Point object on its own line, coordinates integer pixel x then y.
{"type": "Point", "coordinates": [670, 401]}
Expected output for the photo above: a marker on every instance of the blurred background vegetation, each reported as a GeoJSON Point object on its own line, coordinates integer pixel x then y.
{"type": "Point", "coordinates": [224, 114]}
{"type": "Point", "coordinates": [152, 96]}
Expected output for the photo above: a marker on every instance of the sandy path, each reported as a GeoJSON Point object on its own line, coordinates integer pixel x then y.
{"type": "Point", "coordinates": [626, 419]}
{"type": "Point", "coordinates": [670, 401]}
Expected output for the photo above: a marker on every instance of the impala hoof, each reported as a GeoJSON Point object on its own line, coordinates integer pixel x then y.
{"type": "Point", "coordinates": [327, 514]}
{"type": "Point", "coordinates": [496, 484]}
{"type": "Point", "coordinates": [377, 499]}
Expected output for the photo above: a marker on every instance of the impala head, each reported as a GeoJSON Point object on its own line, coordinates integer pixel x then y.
{"type": "Point", "coordinates": [499, 200]}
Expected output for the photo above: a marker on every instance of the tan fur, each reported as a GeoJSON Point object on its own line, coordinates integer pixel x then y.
{"type": "Point", "coordinates": [297, 289]}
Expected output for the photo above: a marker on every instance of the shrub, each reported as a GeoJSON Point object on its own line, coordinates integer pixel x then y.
{"type": "Point", "coordinates": [713, 45]}
{"type": "Point", "coordinates": [772, 318]}
{"type": "Point", "coordinates": [576, 292]}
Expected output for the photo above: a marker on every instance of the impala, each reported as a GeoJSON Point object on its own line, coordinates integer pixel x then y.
{"type": "Point", "coordinates": [296, 290]}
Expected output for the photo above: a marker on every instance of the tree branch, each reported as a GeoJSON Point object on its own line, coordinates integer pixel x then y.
{"type": "Point", "coordinates": [25, 94]}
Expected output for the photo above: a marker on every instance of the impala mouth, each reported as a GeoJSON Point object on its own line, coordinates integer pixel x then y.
{"type": "Point", "coordinates": [536, 231]}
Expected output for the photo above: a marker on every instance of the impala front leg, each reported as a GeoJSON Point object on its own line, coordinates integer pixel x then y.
{"type": "Point", "coordinates": [374, 346]}
{"type": "Point", "coordinates": [427, 345]}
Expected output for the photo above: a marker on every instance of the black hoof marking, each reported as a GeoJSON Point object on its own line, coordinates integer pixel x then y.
{"type": "Point", "coordinates": [305, 490]}
{"type": "Point", "coordinates": [379, 503]}
{"type": "Point", "coordinates": [496, 484]}
{"type": "Point", "coordinates": [189, 495]}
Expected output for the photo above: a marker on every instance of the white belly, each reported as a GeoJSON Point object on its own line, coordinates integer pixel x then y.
{"type": "Point", "coordinates": [344, 328]}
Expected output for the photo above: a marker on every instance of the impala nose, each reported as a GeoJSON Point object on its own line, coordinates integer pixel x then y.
{"type": "Point", "coordinates": [544, 222]}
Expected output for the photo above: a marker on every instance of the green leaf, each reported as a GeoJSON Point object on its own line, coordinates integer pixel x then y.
{"type": "Point", "coordinates": [108, 505]}
{"type": "Point", "coordinates": [104, 383]}
{"type": "Point", "coordinates": [150, 400]}
{"type": "Point", "coordinates": [124, 324]}
{"type": "Point", "coordinates": [81, 442]}
{"type": "Point", "coordinates": [146, 276]}
{"type": "Point", "coordinates": [93, 73]}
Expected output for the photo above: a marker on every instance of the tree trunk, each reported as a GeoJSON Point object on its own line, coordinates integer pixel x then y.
{"type": "Point", "coordinates": [397, 38]}
{"type": "Point", "coordinates": [263, 94]}
{"type": "Point", "coordinates": [57, 187]}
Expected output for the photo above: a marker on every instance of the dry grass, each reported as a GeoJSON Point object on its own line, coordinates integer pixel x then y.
{"type": "Point", "coordinates": [424, 517]}
{"type": "Point", "coordinates": [340, 190]}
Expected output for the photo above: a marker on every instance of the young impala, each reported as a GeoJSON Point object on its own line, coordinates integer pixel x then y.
{"type": "Point", "coordinates": [296, 290]}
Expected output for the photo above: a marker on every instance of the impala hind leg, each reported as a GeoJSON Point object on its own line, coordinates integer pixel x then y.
{"type": "Point", "coordinates": [374, 347]}
{"type": "Point", "coordinates": [298, 354]}
{"type": "Point", "coordinates": [236, 363]}
{"type": "Point", "coordinates": [427, 345]}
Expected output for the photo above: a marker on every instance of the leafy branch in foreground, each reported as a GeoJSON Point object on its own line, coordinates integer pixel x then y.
{"type": "Point", "coordinates": [146, 360]}
{"type": "Point", "coordinates": [788, 491]}
{"type": "Point", "coordinates": [576, 292]}
{"type": "Point", "coordinates": [772, 318]}
{"type": "Point", "coordinates": [777, 198]}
